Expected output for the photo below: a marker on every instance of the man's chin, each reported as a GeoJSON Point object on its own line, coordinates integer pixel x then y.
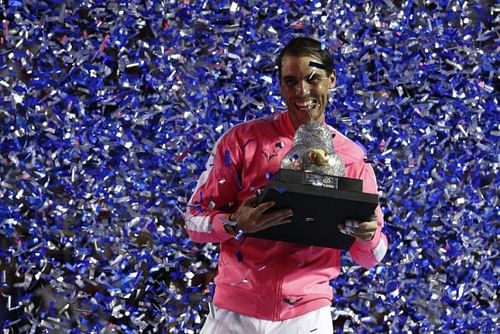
{"type": "Point", "coordinates": [302, 116]}
{"type": "Point", "coordinates": [313, 116]}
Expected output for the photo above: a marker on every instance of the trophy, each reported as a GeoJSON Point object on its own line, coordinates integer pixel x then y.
{"type": "Point", "coordinates": [312, 151]}
{"type": "Point", "coordinates": [311, 182]}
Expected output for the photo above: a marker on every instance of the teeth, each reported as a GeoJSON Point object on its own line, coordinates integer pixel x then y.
{"type": "Point", "coordinates": [310, 104]}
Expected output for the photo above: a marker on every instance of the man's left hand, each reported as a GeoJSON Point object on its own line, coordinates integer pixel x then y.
{"type": "Point", "coordinates": [361, 230]}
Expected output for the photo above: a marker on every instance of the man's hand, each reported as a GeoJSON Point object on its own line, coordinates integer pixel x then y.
{"type": "Point", "coordinates": [251, 218]}
{"type": "Point", "coordinates": [361, 230]}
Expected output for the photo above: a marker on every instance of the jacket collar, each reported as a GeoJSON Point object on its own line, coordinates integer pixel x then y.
{"type": "Point", "coordinates": [285, 124]}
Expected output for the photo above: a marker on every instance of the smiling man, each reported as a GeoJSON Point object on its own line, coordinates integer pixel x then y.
{"type": "Point", "coordinates": [305, 81]}
{"type": "Point", "coordinates": [265, 286]}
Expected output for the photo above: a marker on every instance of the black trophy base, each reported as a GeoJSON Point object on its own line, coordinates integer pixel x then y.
{"type": "Point", "coordinates": [319, 203]}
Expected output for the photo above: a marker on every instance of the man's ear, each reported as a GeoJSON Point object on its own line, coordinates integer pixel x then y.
{"type": "Point", "coordinates": [333, 79]}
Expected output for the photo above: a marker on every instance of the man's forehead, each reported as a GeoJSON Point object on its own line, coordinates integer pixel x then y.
{"type": "Point", "coordinates": [309, 63]}
{"type": "Point", "coordinates": [317, 65]}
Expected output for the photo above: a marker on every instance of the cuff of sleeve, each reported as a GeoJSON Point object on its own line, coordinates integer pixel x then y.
{"type": "Point", "coordinates": [369, 244]}
{"type": "Point", "coordinates": [218, 227]}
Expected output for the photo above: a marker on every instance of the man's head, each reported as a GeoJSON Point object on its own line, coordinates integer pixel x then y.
{"type": "Point", "coordinates": [306, 75]}
{"type": "Point", "coordinates": [305, 46]}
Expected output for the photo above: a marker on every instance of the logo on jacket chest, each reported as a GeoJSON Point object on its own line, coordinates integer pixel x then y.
{"type": "Point", "coordinates": [272, 151]}
{"type": "Point", "coordinates": [263, 157]}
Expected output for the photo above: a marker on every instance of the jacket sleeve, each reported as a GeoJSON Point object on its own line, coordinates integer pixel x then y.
{"type": "Point", "coordinates": [369, 253]}
{"type": "Point", "coordinates": [215, 193]}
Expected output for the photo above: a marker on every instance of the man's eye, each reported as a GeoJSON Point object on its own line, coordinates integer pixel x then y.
{"type": "Point", "coordinates": [290, 82]}
{"type": "Point", "coordinates": [314, 78]}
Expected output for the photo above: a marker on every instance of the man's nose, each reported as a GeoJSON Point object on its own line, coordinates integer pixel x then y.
{"type": "Point", "coordinates": [302, 88]}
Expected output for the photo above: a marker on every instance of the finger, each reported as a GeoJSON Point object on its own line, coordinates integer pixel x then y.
{"type": "Point", "coordinates": [270, 218]}
{"type": "Point", "coordinates": [363, 236]}
{"type": "Point", "coordinates": [373, 218]}
{"type": "Point", "coordinates": [367, 226]}
{"type": "Point", "coordinates": [276, 215]}
{"type": "Point", "coordinates": [351, 224]}
{"type": "Point", "coordinates": [346, 230]}
{"type": "Point", "coordinates": [250, 200]}
{"type": "Point", "coordinates": [270, 223]}
{"type": "Point", "coordinates": [277, 222]}
{"type": "Point", "coordinates": [263, 207]}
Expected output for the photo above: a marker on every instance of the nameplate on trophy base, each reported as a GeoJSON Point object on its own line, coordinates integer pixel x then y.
{"type": "Point", "coordinates": [319, 203]}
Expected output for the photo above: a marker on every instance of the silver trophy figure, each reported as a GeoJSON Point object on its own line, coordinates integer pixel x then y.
{"type": "Point", "coordinates": [312, 151]}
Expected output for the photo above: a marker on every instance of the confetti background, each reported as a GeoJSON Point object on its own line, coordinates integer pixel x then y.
{"type": "Point", "coordinates": [108, 110]}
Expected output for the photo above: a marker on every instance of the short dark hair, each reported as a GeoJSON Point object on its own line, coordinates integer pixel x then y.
{"type": "Point", "coordinates": [305, 46]}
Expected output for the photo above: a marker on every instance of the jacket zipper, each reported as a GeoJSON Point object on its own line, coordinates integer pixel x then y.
{"type": "Point", "coordinates": [278, 292]}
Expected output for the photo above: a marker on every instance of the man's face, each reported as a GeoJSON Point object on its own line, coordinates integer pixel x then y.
{"type": "Point", "coordinates": [304, 87]}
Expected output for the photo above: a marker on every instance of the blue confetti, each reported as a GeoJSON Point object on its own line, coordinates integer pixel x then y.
{"type": "Point", "coordinates": [281, 189]}
{"type": "Point", "coordinates": [227, 158]}
{"type": "Point", "coordinates": [109, 112]}
{"type": "Point", "coordinates": [239, 256]}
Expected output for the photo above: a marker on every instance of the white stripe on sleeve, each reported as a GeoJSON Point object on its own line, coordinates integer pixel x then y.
{"type": "Point", "coordinates": [380, 250]}
{"type": "Point", "coordinates": [199, 223]}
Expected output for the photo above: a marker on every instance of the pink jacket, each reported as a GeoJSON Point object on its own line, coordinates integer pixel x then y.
{"type": "Point", "coordinates": [266, 279]}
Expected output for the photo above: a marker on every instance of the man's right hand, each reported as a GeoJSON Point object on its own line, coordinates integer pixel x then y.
{"type": "Point", "coordinates": [252, 218]}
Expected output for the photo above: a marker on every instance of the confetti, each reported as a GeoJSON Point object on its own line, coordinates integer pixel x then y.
{"type": "Point", "coordinates": [109, 112]}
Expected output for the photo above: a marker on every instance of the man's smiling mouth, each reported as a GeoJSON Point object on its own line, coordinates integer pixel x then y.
{"type": "Point", "coordinates": [308, 105]}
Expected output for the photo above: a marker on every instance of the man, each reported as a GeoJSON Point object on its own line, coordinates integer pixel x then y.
{"type": "Point", "coordinates": [267, 286]}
